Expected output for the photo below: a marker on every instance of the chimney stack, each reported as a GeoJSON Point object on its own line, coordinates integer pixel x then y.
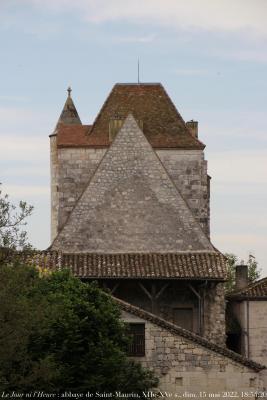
{"type": "Point", "coordinates": [241, 276]}
{"type": "Point", "coordinates": [193, 127]}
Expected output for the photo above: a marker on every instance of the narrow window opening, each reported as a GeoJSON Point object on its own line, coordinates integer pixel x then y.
{"type": "Point", "coordinates": [179, 381]}
{"type": "Point", "coordinates": [137, 345]}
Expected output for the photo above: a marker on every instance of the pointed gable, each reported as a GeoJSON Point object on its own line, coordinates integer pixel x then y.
{"type": "Point", "coordinates": [131, 205]}
{"type": "Point", "coordinates": [150, 104]}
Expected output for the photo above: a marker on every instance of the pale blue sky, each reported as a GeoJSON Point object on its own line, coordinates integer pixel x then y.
{"type": "Point", "coordinates": [211, 56]}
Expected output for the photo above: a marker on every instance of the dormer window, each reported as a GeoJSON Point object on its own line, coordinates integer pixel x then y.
{"type": "Point", "coordinates": [115, 124]}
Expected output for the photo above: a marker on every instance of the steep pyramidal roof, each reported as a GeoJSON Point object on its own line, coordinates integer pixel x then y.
{"type": "Point", "coordinates": [69, 114]}
{"type": "Point", "coordinates": [131, 205]}
{"type": "Point", "coordinates": [162, 124]}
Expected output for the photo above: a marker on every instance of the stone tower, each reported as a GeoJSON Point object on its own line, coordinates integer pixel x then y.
{"type": "Point", "coordinates": [69, 116]}
{"type": "Point", "coordinates": [130, 207]}
{"type": "Point", "coordinates": [77, 149]}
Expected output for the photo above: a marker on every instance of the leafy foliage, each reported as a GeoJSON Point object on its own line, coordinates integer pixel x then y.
{"type": "Point", "coordinates": [12, 220]}
{"type": "Point", "coordinates": [57, 334]}
{"type": "Point", "coordinates": [254, 271]}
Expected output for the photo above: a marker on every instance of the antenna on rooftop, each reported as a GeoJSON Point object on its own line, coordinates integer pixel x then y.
{"type": "Point", "coordinates": [138, 80]}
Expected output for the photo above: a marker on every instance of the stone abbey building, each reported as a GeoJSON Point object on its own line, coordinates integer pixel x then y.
{"type": "Point", "coordinates": [130, 208]}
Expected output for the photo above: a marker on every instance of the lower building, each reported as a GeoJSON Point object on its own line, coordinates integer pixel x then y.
{"type": "Point", "coordinates": [188, 362]}
{"type": "Point", "coordinates": [247, 310]}
{"type": "Point", "coordinates": [189, 365]}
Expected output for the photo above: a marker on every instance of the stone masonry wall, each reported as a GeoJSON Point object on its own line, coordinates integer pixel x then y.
{"type": "Point", "coordinates": [214, 316]}
{"type": "Point", "coordinates": [188, 170]}
{"type": "Point", "coordinates": [258, 331]}
{"type": "Point", "coordinates": [239, 310]}
{"type": "Point", "coordinates": [251, 316]}
{"type": "Point", "coordinates": [72, 168]}
{"type": "Point", "coordinates": [54, 186]}
{"type": "Point", "coordinates": [185, 366]}
{"type": "Point", "coordinates": [76, 167]}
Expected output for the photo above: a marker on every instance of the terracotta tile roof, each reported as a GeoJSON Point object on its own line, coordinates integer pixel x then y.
{"type": "Point", "coordinates": [162, 124]}
{"type": "Point", "coordinates": [176, 330]}
{"type": "Point", "coordinates": [254, 291]}
{"type": "Point", "coordinates": [73, 135]}
{"type": "Point", "coordinates": [200, 265]}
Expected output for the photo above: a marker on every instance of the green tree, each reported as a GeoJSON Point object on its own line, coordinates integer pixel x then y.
{"type": "Point", "coordinates": [254, 271]}
{"type": "Point", "coordinates": [12, 221]}
{"type": "Point", "coordinates": [57, 334]}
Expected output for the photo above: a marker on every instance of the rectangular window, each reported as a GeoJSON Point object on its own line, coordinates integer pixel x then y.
{"type": "Point", "coordinates": [183, 317]}
{"type": "Point", "coordinates": [137, 345]}
{"type": "Point", "coordinates": [116, 123]}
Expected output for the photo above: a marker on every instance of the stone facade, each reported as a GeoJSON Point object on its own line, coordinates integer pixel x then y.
{"type": "Point", "coordinates": [252, 317]}
{"type": "Point", "coordinates": [188, 170]}
{"type": "Point", "coordinates": [76, 166]}
{"type": "Point", "coordinates": [247, 317]}
{"type": "Point", "coordinates": [214, 315]}
{"type": "Point", "coordinates": [130, 204]}
{"type": "Point", "coordinates": [186, 366]}
{"type": "Point", "coordinates": [54, 185]}
{"type": "Point", "coordinates": [258, 331]}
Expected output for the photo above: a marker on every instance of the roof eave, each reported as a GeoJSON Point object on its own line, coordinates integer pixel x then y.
{"type": "Point", "coordinates": [188, 335]}
{"type": "Point", "coordinates": [158, 278]}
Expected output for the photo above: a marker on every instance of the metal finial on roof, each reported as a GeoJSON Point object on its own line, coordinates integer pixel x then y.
{"type": "Point", "coordinates": [138, 80]}
{"type": "Point", "coordinates": [69, 91]}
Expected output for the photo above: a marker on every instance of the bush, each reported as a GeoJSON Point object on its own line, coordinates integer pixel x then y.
{"type": "Point", "coordinates": [59, 334]}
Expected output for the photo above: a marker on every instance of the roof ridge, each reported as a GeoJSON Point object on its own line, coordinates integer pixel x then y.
{"type": "Point", "coordinates": [245, 290]}
{"type": "Point", "coordinates": [257, 282]}
{"type": "Point", "coordinates": [188, 334]}
{"type": "Point", "coordinates": [139, 84]}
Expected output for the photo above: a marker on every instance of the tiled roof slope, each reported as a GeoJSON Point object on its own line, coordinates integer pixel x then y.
{"type": "Point", "coordinates": [162, 124]}
{"type": "Point", "coordinates": [208, 266]}
{"type": "Point", "coordinates": [176, 330]}
{"type": "Point", "coordinates": [131, 205]}
{"type": "Point", "coordinates": [254, 291]}
{"type": "Point", "coordinates": [73, 135]}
